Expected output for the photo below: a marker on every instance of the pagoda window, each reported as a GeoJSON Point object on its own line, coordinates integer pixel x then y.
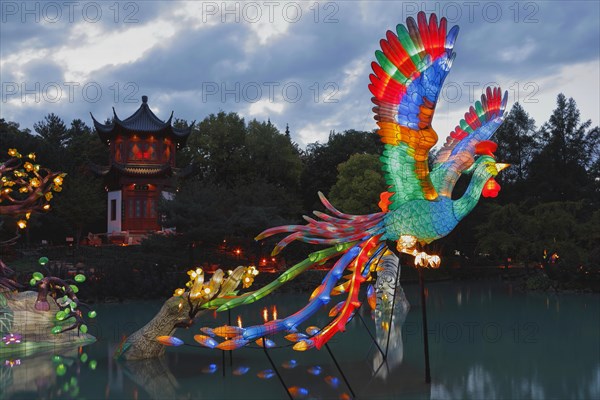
{"type": "Point", "coordinates": [133, 150]}
{"type": "Point", "coordinates": [151, 152]}
{"type": "Point", "coordinates": [143, 151]}
{"type": "Point", "coordinates": [151, 211]}
{"type": "Point", "coordinates": [119, 151]}
{"type": "Point", "coordinates": [167, 151]}
{"type": "Point", "coordinates": [113, 210]}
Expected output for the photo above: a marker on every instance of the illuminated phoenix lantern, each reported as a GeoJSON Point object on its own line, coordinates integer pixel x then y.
{"type": "Point", "coordinates": [417, 208]}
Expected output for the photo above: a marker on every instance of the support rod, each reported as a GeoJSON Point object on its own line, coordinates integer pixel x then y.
{"type": "Point", "coordinates": [231, 352]}
{"type": "Point", "coordinates": [223, 362]}
{"type": "Point", "coordinates": [424, 315]}
{"type": "Point", "coordinates": [370, 334]}
{"type": "Point", "coordinates": [340, 369]}
{"type": "Point", "coordinates": [387, 345]}
{"type": "Point", "coordinates": [275, 369]}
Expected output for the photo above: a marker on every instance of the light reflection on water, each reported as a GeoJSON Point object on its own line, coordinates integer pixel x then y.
{"type": "Point", "coordinates": [486, 341]}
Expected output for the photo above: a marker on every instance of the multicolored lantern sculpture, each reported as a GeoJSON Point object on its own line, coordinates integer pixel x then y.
{"type": "Point", "coordinates": [417, 208]}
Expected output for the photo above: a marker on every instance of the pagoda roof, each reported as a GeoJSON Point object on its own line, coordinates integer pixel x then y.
{"type": "Point", "coordinates": [142, 121]}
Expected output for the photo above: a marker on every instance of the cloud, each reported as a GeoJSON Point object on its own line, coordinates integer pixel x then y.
{"type": "Point", "coordinates": [311, 69]}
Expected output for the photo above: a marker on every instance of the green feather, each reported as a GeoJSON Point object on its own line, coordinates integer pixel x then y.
{"type": "Point", "coordinates": [465, 127]}
{"type": "Point", "coordinates": [480, 111]}
{"type": "Point", "coordinates": [408, 44]}
{"type": "Point", "coordinates": [390, 68]}
{"type": "Point", "coordinates": [313, 258]}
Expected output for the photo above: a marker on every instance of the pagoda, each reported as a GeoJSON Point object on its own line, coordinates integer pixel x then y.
{"type": "Point", "coordinates": [140, 170]}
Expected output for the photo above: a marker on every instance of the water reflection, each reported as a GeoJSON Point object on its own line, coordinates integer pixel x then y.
{"type": "Point", "coordinates": [44, 374]}
{"type": "Point", "coordinates": [26, 377]}
{"type": "Point", "coordinates": [154, 376]}
{"type": "Point", "coordinates": [481, 383]}
{"type": "Point", "coordinates": [332, 381]}
{"type": "Point", "coordinates": [315, 370]}
{"type": "Point", "coordinates": [241, 370]}
{"type": "Point", "coordinates": [210, 369]}
{"type": "Point", "coordinates": [266, 374]}
{"type": "Point", "coordinates": [390, 314]}
{"type": "Point", "coordinates": [535, 350]}
{"type": "Point", "coordinates": [298, 392]}
{"type": "Point", "coordinates": [289, 364]}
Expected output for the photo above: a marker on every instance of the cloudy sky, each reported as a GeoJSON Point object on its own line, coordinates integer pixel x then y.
{"type": "Point", "coordinates": [302, 63]}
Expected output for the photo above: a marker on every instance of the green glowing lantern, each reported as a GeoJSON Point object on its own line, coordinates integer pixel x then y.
{"type": "Point", "coordinates": [61, 370]}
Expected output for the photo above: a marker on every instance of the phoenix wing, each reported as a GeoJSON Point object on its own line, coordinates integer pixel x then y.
{"type": "Point", "coordinates": [406, 83]}
{"type": "Point", "coordinates": [468, 138]}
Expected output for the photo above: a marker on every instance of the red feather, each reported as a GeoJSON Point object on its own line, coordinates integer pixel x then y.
{"type": "Point", "coordinates": [406, 66]}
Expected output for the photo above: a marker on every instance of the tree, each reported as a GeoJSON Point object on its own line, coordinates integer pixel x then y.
{"type": "Point", "coordinates": [516, 144]}
{"type": "Point", "coordinates": [81, 203]}
{"type": "Point", "coordinates": [11, 136]}
{"type": "Point", "coordinates": [321, 161]}
{"type": "Point", "coordinates": [248, 180]}
{"type": "Point", "coordinates": [83, 146]}
{"type": "Point", "coordinates": [503, 233]}
{"type": "Point", "coordinates": [217, 147]}
{"type": "Point", "coordinates": [359, 183]}
{"type": "Point", "coordinates": [184, 156]}
{"type": "Point", "coordinates": [209, 212]}
{"type": "Point", "coordinates": [559, 170]}
{"type": "Point", "coordinates": [53, 130]}
{"type": "Point", "coordinates": [272, 155]}
{"type": "Point", "coordinates": [523, 232]}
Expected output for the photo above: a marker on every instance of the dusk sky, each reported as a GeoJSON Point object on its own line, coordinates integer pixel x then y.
{"type": "Point", "coordinates": [304, 63]}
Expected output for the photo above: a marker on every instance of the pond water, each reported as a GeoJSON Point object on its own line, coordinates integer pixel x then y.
{"type": "Point", "coordinates": [486, 342]}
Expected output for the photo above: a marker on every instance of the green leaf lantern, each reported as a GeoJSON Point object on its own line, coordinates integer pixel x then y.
{"type": "Point", "coordinates": [61, 370]}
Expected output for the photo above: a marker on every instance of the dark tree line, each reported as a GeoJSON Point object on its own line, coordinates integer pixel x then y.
{"type": "Point", "coordinates": [550, 196]}
{"type": "Point", "coordinates": [81, 205]}
{"type": "Point", "coordinates": [247, 179]}
{"type": "Point", "coordinates": [250, 176]}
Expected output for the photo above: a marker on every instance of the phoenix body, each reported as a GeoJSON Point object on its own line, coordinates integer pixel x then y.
{"type": "Point", "coordinates": [417, 208]}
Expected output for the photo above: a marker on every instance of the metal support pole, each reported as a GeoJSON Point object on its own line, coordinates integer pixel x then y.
{"type": "Point", "coordinates": [425, 337]}
{"type": "Point", "coordinates": [340, 369]}
{"type": "Point", "coordinates": [223, 362]}
{"type": "Point", "coordinates": [387, 345]}
{"type": "Point", "coordinates": [370, 334]}
{"type": "Point", "coordinates": [275, 369]}
{"type": "Point", "coordinates": [231, 352]}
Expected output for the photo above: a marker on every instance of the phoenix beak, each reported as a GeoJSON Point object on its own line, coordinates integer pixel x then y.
{"type": "Point", "coordinates": [501, 166]}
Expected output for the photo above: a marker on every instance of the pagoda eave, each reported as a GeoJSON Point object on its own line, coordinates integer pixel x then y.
{"type": "Point", "coordinates": [142, 171]}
